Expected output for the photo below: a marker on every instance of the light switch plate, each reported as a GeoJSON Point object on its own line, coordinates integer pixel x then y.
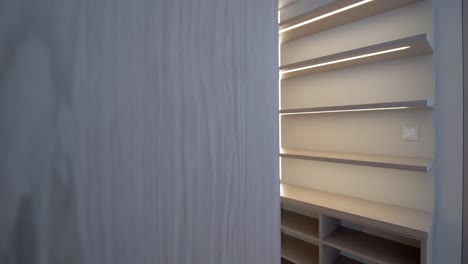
{"type": "Point", "coordinates": [410, 133]}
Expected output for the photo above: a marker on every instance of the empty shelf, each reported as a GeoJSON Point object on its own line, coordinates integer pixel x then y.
{"type": "Point", "coordinates": [299, 226]}
{"type": "Point", "coordinates": [420, 104]}
{"type": "Point", "coordinates": [372, 248]}
{"type": "Point", "coordinates": [391, 162]}
{"type": "Point", "coordinates": [298, 251]}
{"type": "Point", "coordinates": [345, 260]}
{"type": "Point", "coordinates": [392, 50]}
{"type": "Point", "coordinates": [401, 220]}
{"type": "Point", "coordinates": [335, 14]}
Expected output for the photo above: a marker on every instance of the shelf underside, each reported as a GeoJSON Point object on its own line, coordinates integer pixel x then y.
{"type": "Point", "coordinates": [401, 220]}
{"type": "Point", "coordinates": [345, 260]}
{"type": "Point", "coordinates": [298, 251]}
{"type": "Point", "coordinates": [360, 12]}
{"type": "Point", "coordinates": [381, 161]}
{"type": "Point", "coordinates": [299, 226]}
{"type": "Point", "coordinates": [419, 104]}
{"type": "Point", "coordinates": [402, 48]}
{"type": "Point", "coordinates": [372, 248]}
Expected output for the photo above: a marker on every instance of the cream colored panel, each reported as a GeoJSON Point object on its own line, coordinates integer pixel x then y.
{"type": "Point", "coordinates": [404, 22]}
{"type": "Point", "coordinates": [398, 187]}
{"type": "Point", "coordinates": [372, 132]}
{"type": "Point", "coordinates": [400, 80]}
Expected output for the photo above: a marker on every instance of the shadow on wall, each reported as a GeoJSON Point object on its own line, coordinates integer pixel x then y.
{"type": "Point", "coordinates": [38, 197]}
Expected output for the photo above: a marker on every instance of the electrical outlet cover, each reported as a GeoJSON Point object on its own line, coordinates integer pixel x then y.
{"type": "Point", "coordinates": [410, 133]}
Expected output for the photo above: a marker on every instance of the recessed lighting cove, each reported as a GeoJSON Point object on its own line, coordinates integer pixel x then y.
{"type": "Point", "coordinates": [344, 60]}
{"type": "Point", "coordinates": [346, 110]}
{"type": "Point", "coordinates": [325, 15]}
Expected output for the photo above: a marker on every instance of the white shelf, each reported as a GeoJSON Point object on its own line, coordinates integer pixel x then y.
{"type": "Point", "coordinates": [391, 50]}
{"type": "Point", "coordinates": [419, 104]}
{"type": "Point", "coordinates": [327, 22]}
{"type": "Point", "coordinates": [372, 248]}
{"type": "Point", "coordinates": [382, 161]}
{"type": "Point", "coordinates": [400, 220]}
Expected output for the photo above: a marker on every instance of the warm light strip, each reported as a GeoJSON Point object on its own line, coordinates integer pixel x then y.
{"type": "Point", "coordinates": [325, 15]}
{"type": "Point", "coordinates": [347, 110]}
{"type": "Point", "coordinates": [346, 59]}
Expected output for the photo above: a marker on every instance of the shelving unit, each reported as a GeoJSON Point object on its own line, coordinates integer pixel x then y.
{"type": "Point", "coordinates": [391, 50]}
{"type": "Point", "coordinates": [413, 223]}
{"type": "Point", "coordinates": [351, 230]}
{"type": "Point", "coordinates": [405, 223]}
{"type": "Point", "coordinates": [334, 15]}
{"type": "Point", "coordinates": [381, 161]}
{"type": "Point", "coordinates": [419, 104]}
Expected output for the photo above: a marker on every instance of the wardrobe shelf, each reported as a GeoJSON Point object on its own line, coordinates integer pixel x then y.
{"type": "Point", "coordinates": [392, 50]}
{"type": "Point", "coordinates": [300, 226]}
{"type": "Point", "coordinates": [298, 251]}
{"type": "Point", "coordinates": [391, 162]}
{"type": "Point", "coordinates": [419, 104]}
{"type": "Point", "coordinates": [326, 21]}
{"type": "Point", "coordinates": [372, 248]}
{"type": "Point", "coordinates": [412, 223]}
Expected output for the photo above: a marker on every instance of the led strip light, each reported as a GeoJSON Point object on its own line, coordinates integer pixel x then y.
{"type": "Point", "coordinates": [344, 60]}
{"type": "Point", "coordinates": [325, 15]}
{"type": "Point", "coordinates": [346, 110]}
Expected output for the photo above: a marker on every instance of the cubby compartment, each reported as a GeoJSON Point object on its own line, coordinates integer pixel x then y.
{"type": "Point", "coordinates": [299, 226]}
{"type": "Point", "coordinates": [383, 247]}
{"type": "Point", "coordinates": [335, 256]}
{"type": "Point", "coordinates": [298, 251]}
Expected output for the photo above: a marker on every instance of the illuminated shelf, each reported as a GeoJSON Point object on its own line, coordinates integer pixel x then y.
{"type": "Point", "coordinates": [299, 226]}
{"type": "Point", "coordinates": [391, 162]}
{"type": "Point", "coordinates": [396, 219]}
{"type": "Point", "coordinates": [336, 14]}
{"type": "Point", "coordinates": [420, 104]}
{"type": "Point", "coordinates": [392, 50]}
{"type": "Point", "coordinates": [372, 248]}
{"type": "Point", "coordinates": [298, 251]}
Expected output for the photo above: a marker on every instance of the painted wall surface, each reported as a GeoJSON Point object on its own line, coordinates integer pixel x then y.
{"type": "Point", "coordinates": [376, 132]}
{"type": "Point", "coordinates": [449, 139]}
{"type": "Point", "coordinates": [138, 132]}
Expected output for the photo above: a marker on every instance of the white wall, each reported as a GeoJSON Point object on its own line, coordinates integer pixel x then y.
{"type": "Point", "coordinates": [139, 131]}
{"type": "Point", "coordinates": [449, 121]}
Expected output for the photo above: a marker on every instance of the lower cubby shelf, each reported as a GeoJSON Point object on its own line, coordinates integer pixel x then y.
{"type": "Point", "coordinates": [371, 248]}
{"type": "Point", "coordinates": [334, 240]}
{"type": "Point", "coordinates": [300, 226]}
{"type": "Point", "coordinates": [298, 251]}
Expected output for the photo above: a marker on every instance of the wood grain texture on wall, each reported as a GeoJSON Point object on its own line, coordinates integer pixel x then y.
{"type": "Point", "coordinates": [139, 131]}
